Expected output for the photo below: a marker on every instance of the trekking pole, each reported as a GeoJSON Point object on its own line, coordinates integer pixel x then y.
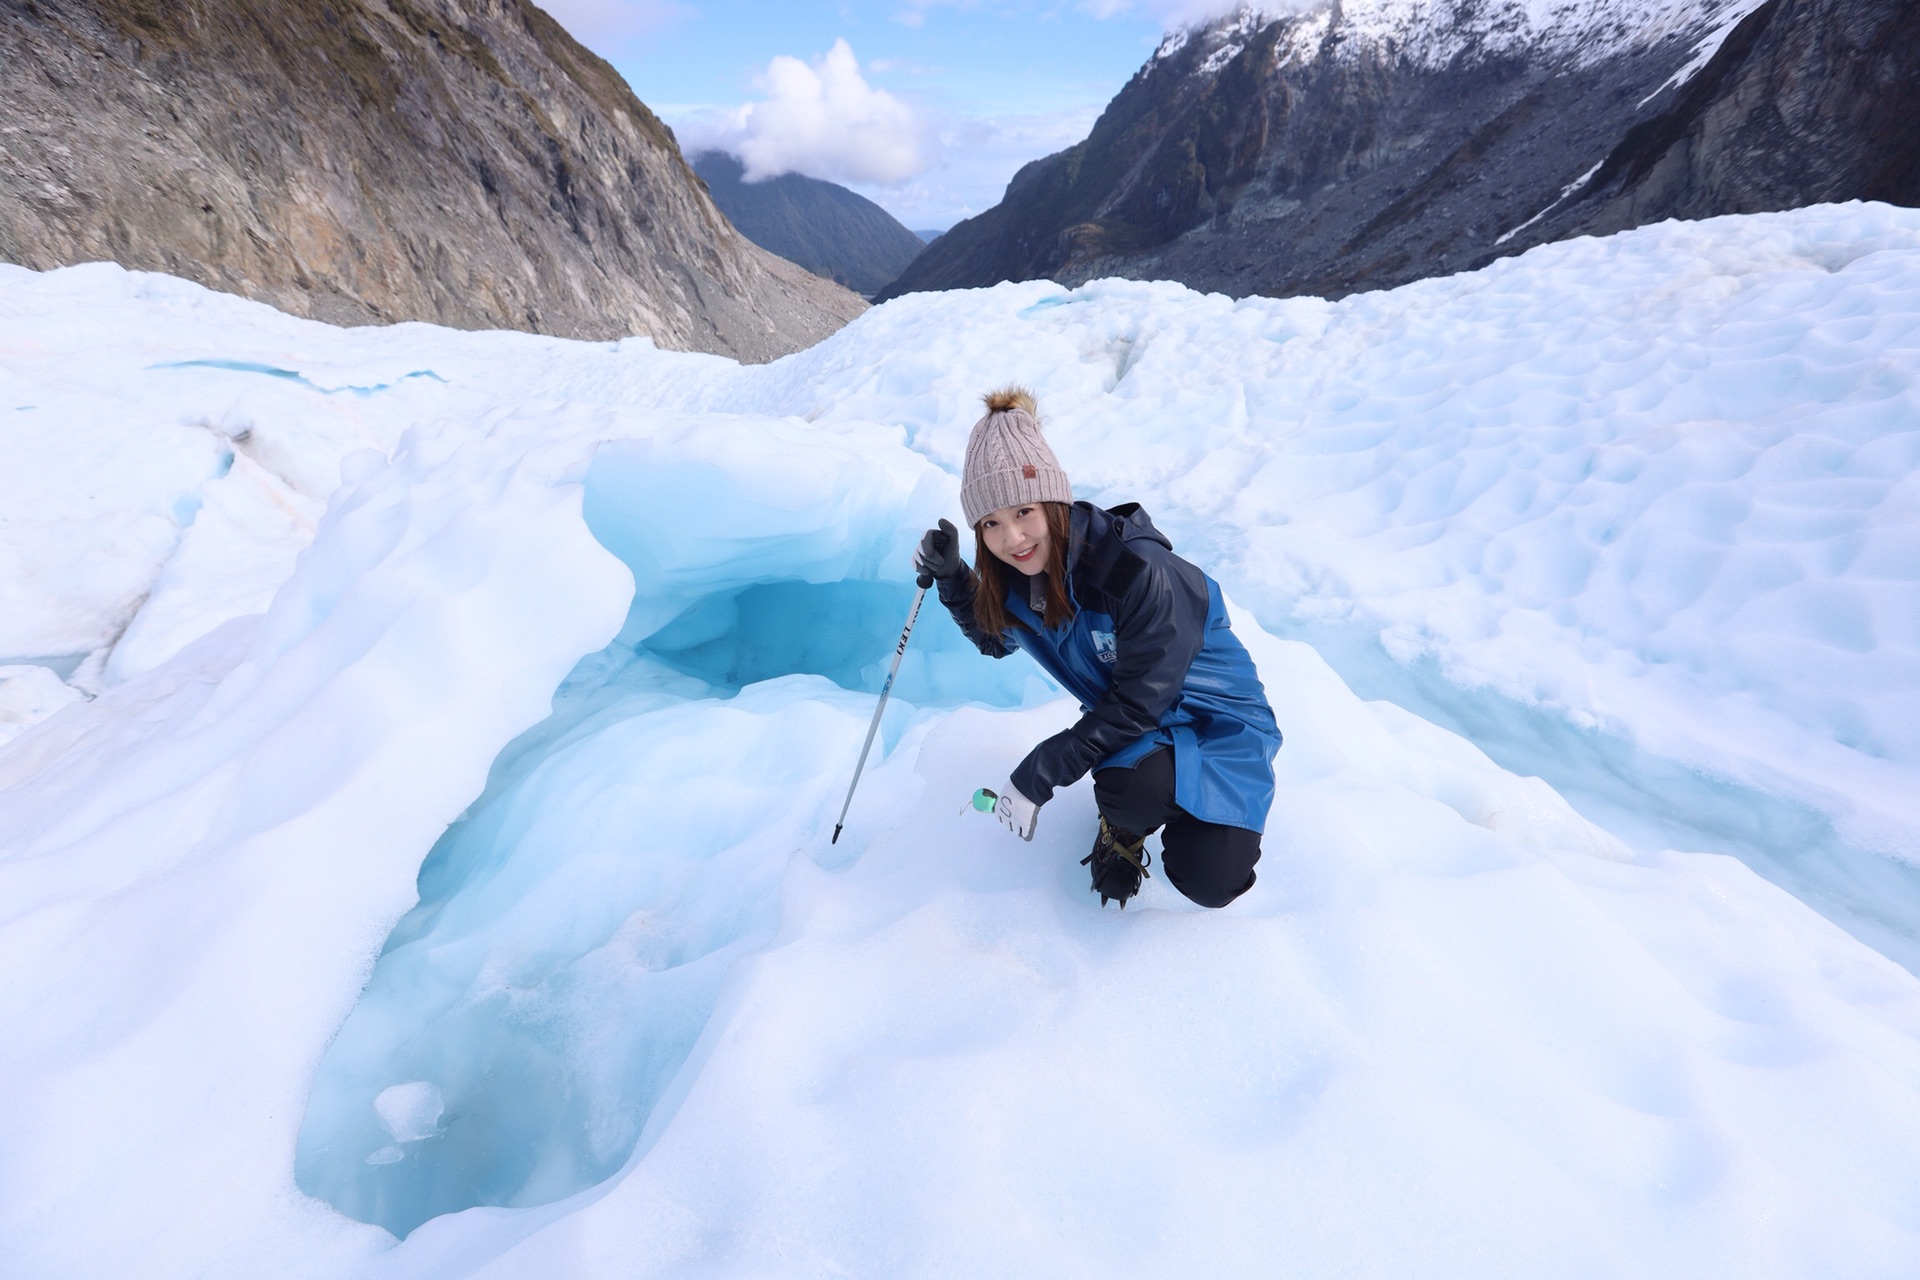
{"type": "Point", "coordinates": [899, 650]}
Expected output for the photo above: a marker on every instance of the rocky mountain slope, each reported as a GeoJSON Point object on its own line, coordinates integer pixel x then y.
{"type": "Point", "coordinates": [827, 229]}
{"type": "Point", "coordinates": [1806, 101]}
{"type": "Point", "coordinates": [459, 161]}
{"type": "Point", "coordinates": [1366, 143]}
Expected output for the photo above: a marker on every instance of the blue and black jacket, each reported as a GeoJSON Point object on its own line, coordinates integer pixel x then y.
{"type": "Point", "coordinates": [1153, 662]}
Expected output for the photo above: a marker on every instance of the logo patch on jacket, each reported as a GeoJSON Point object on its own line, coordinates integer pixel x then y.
{"type": "Point", "coordinates": [1105, 647]}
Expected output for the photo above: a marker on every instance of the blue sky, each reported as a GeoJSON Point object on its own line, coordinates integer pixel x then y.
{"type": "Point", "coordinates": [926, 106]}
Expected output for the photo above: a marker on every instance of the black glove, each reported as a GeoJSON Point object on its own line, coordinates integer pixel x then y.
{"type": "Point", "coordinates": [1118, 860]}
{"type": "Point", "coordinates": [939, 555]}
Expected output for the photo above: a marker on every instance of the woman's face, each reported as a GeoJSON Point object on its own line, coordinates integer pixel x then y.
{"type": "Point", "coordinates": [1018, 536]}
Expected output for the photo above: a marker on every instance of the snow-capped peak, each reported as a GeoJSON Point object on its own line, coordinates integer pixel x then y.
{"type": "Point", "coordinates": [1435, 32]}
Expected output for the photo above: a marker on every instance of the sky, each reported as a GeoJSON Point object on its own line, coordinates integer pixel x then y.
{"type": "Point", "coordinates": [925, 106]}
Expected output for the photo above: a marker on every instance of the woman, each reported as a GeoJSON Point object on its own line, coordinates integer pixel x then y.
{"type": "Point", "coordinates": [1175, 725]}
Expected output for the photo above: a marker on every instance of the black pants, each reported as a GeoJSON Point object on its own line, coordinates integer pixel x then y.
{"type": "Point", "coordinates": [1209, 863]}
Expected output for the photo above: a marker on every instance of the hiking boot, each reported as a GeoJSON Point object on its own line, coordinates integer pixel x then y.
{"type": "Point", "coordinates": [1118, 860]}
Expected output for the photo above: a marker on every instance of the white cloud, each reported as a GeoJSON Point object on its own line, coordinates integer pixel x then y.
{"type": "Point", "coordinates": [824, 120]}
{"type": "Point", "coordinates": [976, 156]}
{"type": "Point", "coordinates": [979, 155]}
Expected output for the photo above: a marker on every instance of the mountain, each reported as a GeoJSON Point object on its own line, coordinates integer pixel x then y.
{"type": "Point", "coordinates": [827, 229]}
{"type": "Point", "coordinates": [366, 161]}
{"type": "Point", "coordinates": [1368, 143]}
{"type": "Point", "coordinates": [1806, 101]}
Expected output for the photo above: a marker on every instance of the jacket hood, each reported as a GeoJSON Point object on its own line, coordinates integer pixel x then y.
{"type": "Point", "coordinates": [1129, 522]}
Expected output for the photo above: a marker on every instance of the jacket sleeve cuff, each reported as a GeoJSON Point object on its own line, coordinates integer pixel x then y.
{"type": "Point", "coordinates": [1060, 761]}
{"type": "Point", "coordinates": [956, 589]}
{"type": "Point", "coordinates": [1026, 780]}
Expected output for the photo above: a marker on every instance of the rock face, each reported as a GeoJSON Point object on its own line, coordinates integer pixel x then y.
{"type": "Point", "coordinates": [464, 162]}
{"type": "Point", "coordinates": [1806, 101]}
{"type": "Point", "coordinates": [1373, 142]}
{"type": "Point", "coordinates": [827, 229]}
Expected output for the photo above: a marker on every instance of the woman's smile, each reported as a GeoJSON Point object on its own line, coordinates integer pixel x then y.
{"type": "Point", "coordinates": [1019, 536]}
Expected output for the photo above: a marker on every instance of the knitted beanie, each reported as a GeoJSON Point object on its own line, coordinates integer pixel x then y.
{"type": "Point", "coordinates": [1008, 461]}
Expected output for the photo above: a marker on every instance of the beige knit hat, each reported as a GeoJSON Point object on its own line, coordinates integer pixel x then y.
{"type": "Point", "coordinates": [1008, 461]}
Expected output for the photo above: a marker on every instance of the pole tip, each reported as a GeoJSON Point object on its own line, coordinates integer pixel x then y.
{"type": "Point", "coordinates": [836, 835]}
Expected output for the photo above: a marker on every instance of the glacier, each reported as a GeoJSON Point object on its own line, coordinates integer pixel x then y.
{"type": "Point", "coordinates": [418, 750]}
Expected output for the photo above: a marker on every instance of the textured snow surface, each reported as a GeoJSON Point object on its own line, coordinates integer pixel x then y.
{"type": "Point", "coordinates": [424, 746]}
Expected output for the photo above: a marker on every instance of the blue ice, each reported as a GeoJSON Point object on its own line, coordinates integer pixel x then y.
{"type": "Point", "coordinates": [575, 925]}
{"type": "Point", "coordinates": [289, 375]}
{"type": "Point", "coordinates": [1651, 802]}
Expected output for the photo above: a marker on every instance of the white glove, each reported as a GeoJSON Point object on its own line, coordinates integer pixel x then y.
{"type": "Point", "coordinates": [1016, 813]}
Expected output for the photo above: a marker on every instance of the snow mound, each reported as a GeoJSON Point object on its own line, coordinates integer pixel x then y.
{"type": "Point", "coordinates": [29, 693]}
{"type": "Point", "coordinates": [422, 829]}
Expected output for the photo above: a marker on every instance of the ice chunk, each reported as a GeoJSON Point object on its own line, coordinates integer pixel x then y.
{"type": "Point", "coordinates": [410, 1111]}
{"type": "Point", "coordinates": [239, 549]}
{"type": "Point", "coordinates": [28, 695]}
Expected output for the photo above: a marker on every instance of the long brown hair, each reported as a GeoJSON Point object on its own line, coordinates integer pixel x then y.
{"type": "Point", "coordinates": [990, 577]}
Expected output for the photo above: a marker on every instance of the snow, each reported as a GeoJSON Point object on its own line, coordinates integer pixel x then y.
{"type": "Point", "coordinates": [29, 693]}
{"type": "Point", "coordinates": [1434, 33]}
{"type": "Point", "coordinates": [1558, 200]}
{"type": "Point", "coordinates": [427, 742]}
{"type": "Point", "coordinates": [1702, 53]}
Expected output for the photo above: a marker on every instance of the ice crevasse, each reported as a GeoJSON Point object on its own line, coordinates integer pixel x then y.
{"type": "Point", "coordinates": [425, 745]}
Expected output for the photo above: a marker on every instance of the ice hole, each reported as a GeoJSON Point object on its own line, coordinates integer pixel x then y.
{"type": "Point", "coordinates": [844, 631]}
{"type": "Point", "coordinates": [576, 924]}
